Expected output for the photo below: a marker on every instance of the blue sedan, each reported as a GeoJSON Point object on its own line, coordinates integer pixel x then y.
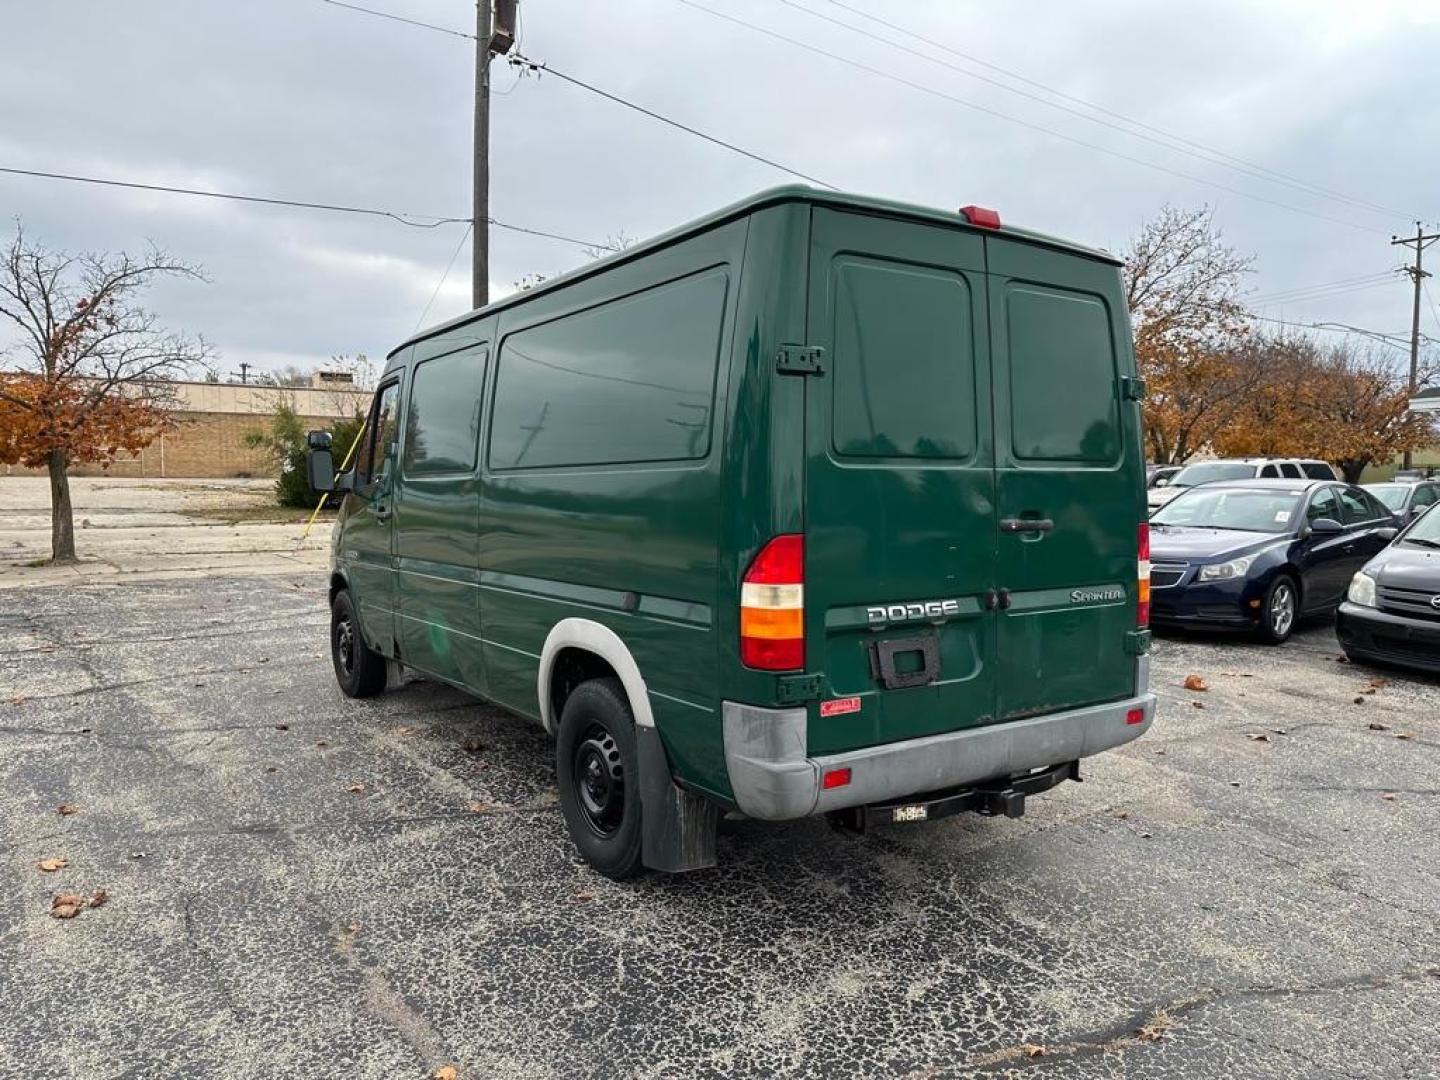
{"type": "Point", "coordinates": [1257, 555]}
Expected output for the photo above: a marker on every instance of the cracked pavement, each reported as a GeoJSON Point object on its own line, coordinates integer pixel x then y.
{"type": "Point", "coordinates": [302, 885]}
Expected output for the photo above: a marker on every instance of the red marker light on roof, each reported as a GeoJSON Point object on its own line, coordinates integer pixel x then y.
{"type": "Point", "coordinates": [980, 217]}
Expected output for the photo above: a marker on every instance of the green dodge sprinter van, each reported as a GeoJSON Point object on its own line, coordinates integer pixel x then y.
{"type": "Point", "coordinates": [819, 504]}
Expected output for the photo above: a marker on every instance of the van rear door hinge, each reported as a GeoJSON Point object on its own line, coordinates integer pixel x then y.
{"type": "Point", "coordinates": [797, 689]}
{"type": "Point", "coordinates": [800, 360]}
{"type": "Point", "coordinates": [1132, 388]}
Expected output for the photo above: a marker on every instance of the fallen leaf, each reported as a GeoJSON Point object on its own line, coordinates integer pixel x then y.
{"type": "Point", "coordinates": [1254, 736]}
{"type": "Point", "coordinates": [446, 1072]}
{"type": "Point", "coordinates": [1375, 725]}
{"type": "Point", "coordinates": [1234, 783]}
{"type": "Point", "coordinates": [99, 899]}
{"type": "Point", "coordinates": [65, 809]}
{"type": "Point", "coordinates": [322, 744]}
{"type": "Point", "coordinates": [1359, 701]}
{"type": "Point", "coordinates": [18, 699]}
{"type": "Point", "coordinates": [1198, 704]}
{"type": "Point", "coordinates": [282, 727]}
{"type": "Point", "coordinates": [473, 746]}
{"type": "Point", "coordinates": [51, 865]}
{"type": "Point", "coordinates": [1122, 814]}
{"type": "Point", "coordinates": [1160, 750]}
{"type": "Point", "coordinates": [271, 768]}
{"type": "Point", "coordinates": [1033, 1050]}
{"type": "Point", "coordinates": [264, 659]}
{"type": "Point", "coordinates": [1376, 684]}
{"type": "Point", "coordinates": [583, 897]}
{"type": "Point", "coordinates": [1144, 836]}
{"type": "Point", "coordinates": [356, 788]}
{"type": "Point", "coordinates": [1388, 796]}
{"type": "Point", "coordinates": [1342, 659]}
{"type": "Point", "coordinates": [1403, 735]}
{"type": "Point", "coordinates": [66, 905]}
{"type": "Point", "coordinates": [480, 808]}
{"type": "Point", "coordinates": [1196, 683]}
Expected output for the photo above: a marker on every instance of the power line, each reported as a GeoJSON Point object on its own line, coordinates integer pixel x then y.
{"type": "Point", "coordinates": [536, 66]}
{"type": "Point", "coordinates": [448, 267]}
{"type": "Point", "coordinates": [546, 68]}
{"type": "Point", "coordinates": [1244, 165]}
{"type": "Point", "coordinates": [933, 92]}
{"type": "Point", "coordinates": [1278, 293]}
{"type": "Point", "coordinates": [1305, 297]}
{"type": "Point", "coordinates": [427, 221]}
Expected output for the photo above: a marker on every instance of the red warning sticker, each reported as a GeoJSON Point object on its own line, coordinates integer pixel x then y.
{"type": "Point", "coordinates": [839, 706]}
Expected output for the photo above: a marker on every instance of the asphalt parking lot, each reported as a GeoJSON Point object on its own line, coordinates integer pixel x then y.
{"type": "Point", "coordinates": [300, 885]}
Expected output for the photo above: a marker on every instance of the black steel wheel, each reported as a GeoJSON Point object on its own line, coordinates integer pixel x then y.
{"type": "Point", "coordinates": [595, 759]}
{"type": "Point", "coordinates": [359, 669]}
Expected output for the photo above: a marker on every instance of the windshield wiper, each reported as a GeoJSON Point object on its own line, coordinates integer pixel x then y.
{"type": "Point", "coordinates": [1421, 540]}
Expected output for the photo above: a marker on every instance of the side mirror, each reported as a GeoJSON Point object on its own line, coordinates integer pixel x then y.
{"type": "Point", "coordinates": [318, 440]}
{"type": "Point", "coordinates": [320, 467]}
{"type": "Point", "coordinates": [1162, 481]}
{"type": "Point", "coordinates": [1326, 527]}
{"type": "Point", "coordinates": [1387, 533]}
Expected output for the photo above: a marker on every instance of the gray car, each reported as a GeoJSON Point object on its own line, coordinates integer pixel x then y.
{"type": "Point", "coordinates": [1407, 499]}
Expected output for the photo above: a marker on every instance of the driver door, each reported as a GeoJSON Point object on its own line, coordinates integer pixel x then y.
{"type": "Point", "coordinates": [366, 539]}
{"type": "Point", "coordinates": [1328, 559]}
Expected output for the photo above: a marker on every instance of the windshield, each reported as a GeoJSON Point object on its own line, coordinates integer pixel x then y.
{"type": "Point", "coordinates": [1392, 495]}
{"type": "Point", "coordinates": [1426, 530]}
{"type": "Point", "coordinates": [1208, 471]}
{"type": "Point", "coordinates": [1251, 509]}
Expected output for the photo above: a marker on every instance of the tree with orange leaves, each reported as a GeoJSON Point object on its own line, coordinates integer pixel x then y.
{"type": "Point", "coordinates": [85, 378]}
{"type": "Point", "coordinates": [1182, 284]}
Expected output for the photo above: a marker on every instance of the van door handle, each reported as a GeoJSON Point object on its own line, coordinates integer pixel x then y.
{"type": "Point", "coordinates": [382, 513]}
{"type": "Point", "coordinates": [1024, 525]}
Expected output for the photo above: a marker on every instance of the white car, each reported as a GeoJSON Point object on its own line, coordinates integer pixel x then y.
{"type": "Point", "coordinates": [1205, 472]}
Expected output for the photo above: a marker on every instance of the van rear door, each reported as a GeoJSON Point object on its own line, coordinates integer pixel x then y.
{"type": "Point", "coordinates": [900, 482]}
{"type": "Point", "coordinates": [1069, 492]}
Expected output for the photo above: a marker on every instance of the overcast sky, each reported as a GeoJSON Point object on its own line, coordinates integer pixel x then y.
{"type": "Point", "coordinates": [303, 100]}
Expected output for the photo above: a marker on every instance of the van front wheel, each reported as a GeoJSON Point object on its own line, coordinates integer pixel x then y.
{"type": "Point", "coordinates": [359, 669]}
{"type": "Point", "coordinates": [599, 777]}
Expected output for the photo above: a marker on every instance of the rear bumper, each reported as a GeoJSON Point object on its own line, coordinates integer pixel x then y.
{"type": "Point", "coordinates": [1393, 639]}
{"type": "Point", "coordinates": [773, 778]}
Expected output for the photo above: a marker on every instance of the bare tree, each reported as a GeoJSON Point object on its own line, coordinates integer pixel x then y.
{"type": "Point", "coordinates": [86, 377]}
{"type": "Point", "coordinates": [1182, 285]}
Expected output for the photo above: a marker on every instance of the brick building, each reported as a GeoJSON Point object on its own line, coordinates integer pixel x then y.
{"type": "Point", "coordinates": [213, 420]}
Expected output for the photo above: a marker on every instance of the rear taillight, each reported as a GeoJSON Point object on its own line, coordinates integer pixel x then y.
{"type": "Point", "coordinates": [1142, 614]}
{"type": "Point", "coordinates": [772, 607]}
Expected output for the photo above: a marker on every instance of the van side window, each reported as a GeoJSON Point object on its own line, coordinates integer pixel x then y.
{"type": "Point", "coordinates": [1062, 376]}
{"type": "Point", "coordinates": [1268, 471]}
{"type": "Point", "coordinates": [374, 453]}
{"type": "Point", "coordinates": [632, 380]}
{"type": "Point", "coordinates": [904, 382]}
{"type": "Point", "coordinates": [1290, 469]}
{"type": "Point", "coordinates": [442, 423]}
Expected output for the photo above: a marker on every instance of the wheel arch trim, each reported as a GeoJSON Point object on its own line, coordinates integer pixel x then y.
{"type": "Point", "coordinates": [594, 637]}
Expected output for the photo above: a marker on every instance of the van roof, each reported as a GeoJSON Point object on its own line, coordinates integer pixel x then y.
{"type": "Point", "coordinates": [760, 200]}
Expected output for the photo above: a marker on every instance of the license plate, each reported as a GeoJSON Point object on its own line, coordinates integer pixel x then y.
{"type": "Point", "coordinates": [909, 813]}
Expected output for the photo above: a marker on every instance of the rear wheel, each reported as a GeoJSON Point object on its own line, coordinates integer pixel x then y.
{"type": "Point", "coordinates": [1279, 611]}
{"type": "Point", "coordinates": [598, 770]}
{"type": "Point", "coordinates": [359, 669]}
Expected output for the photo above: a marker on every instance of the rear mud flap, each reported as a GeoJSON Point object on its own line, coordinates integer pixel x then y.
{"type": "Point", "coordinates": [678, 827]}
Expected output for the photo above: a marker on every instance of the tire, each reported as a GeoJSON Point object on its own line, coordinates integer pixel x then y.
{"type": "Point", "coordinates": [599, 777]}
{"type": "Point", "coordinates": [1278, 615]}
{"type": "Point", "coordinates": [359, 669]}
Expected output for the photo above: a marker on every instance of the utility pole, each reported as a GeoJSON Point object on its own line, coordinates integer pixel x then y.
{"type": "Point", "coordinates": [480, 234]}
{"type": "Point", "coordinates": [1417, 274]}
{"type": "Point", "coordinates": [244, 372]}
{"type": "Point", "coordinates": [494, 33]}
